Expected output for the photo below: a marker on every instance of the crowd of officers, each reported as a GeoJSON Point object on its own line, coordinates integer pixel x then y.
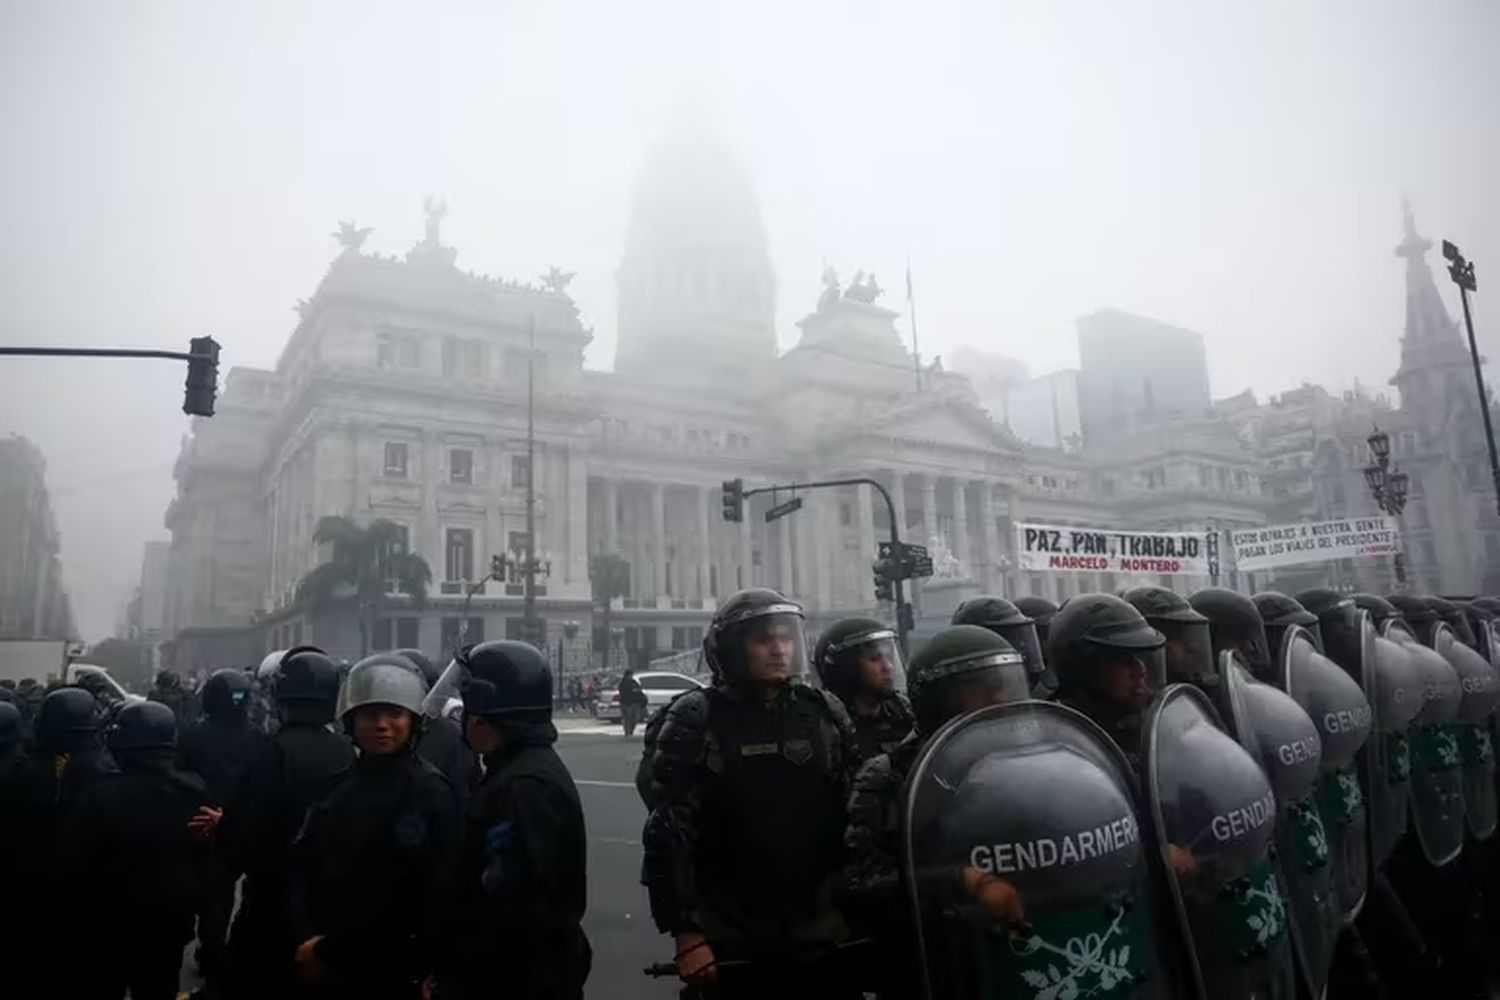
{"type": "Point", "coordinates": [1130, 795]}
{"type": "Point", "coordinates": [1133, 795]}
{"type": "Point", "coordinates": [377, 846]}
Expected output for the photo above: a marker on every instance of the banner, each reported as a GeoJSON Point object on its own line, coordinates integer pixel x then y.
{"type": "Point", "coordinates": [1109, 550]}
{"type": "Point", "coordinates": [1318, 541]}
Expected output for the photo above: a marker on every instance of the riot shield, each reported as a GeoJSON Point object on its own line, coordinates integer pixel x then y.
{"type": "Point", "coordinates": [1337, 706]}
{"type": "Point", "coordinates": [1276, 731]}
{"type": "Point", "coordinates": [1395, 693]}
{"type": "Point", "coordinates": [1437, 801]}
{"type": "Point", "coordinates": [1025, 862]}
{"type": "Point", "coordinates": [1214, 814]}
{"type": "Point", "coordinates": [1472, 729]}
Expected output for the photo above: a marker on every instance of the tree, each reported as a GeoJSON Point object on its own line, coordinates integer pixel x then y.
{"type": "Point", "coordinates": [609, 577]}
{"type": "Point", "coordinates": [362, 560]}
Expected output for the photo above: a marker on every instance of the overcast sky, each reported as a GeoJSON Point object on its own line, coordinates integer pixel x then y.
{"type": "Point", "coordinates": [172, 169]}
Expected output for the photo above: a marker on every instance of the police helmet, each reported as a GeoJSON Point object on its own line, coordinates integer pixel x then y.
{"type": "Point", "coordinates": [1093, 630]}
{"type": "Point", "coordinates": [962, 668]}
{"type": "Point", "coordinates": [68, 720]}
{"type": "Point", "coordinates": [1235, 624]}
{"type": "Point", "coordinates": [268, 665]}
{"type": "Point", "coordinates": [168, 680]}
{"type": "Point", "coordinates": [430, 670]}
{"type": "Point", "coordinates": [1379, 608]}
{"type": "Point", "coordinates": [382, 679]}
{"type": "Point", "coordinates": [745, 617]}
{"type": "Point", "coordinates": [226, 694]}
{"type": "Point", "coordinates": [844, 644]}
{"type": "Point", "coordinates": [10, 726]}
{"type": "Point", "coordinates": [1454, 616]}
{"type": "Point", "coordinates": [506, 680]}
{"type": "Point", "coordinates": [143, 725]}
{"type": "Point", "coordinates": [1188, 654]}
{"type": "Point", "coordinates": [1490, 604]}
{"type": "Point", "coordinates": [1277, 610]}
{"type": "Point", "coordinates": [1011, 624]}
{"type": "Point", "coordinates": [308, 677]}
{"type": "Point", "coordinates": [1041, 612]}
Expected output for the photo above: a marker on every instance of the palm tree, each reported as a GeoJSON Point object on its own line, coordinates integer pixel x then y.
{"type": "Point", "coordinates": [362, 561]}
{"type": "Point", "coordinates": [609, 576]}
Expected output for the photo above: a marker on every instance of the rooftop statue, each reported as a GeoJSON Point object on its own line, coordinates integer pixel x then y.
{"type": "Point", "coordinates": [350, 236]}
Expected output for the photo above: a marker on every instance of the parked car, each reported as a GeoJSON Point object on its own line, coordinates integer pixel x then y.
{"type": "Point", "coordinates": [661, 686]}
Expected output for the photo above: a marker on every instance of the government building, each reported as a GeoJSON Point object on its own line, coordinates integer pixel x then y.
{"type": "Point", "coordinates": [402, 394]}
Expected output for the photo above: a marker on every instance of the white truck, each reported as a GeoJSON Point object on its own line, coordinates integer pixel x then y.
{"type": "Point", "coordinates": [39, 659]}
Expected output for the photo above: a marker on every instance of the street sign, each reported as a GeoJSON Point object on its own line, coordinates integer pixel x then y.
{"type": "Point", "coordinates": [783, 509]}
{"type": "Point", "coordinates": [910, 561]}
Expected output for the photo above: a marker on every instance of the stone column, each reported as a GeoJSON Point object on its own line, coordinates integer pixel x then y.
{"type": "Point", "coordinates": [578, 517]}
{"type": "Point", "coordinates": [825, 529]}
{"type": "Point", "coordinates": [961, 527]}
{"type": "Point", "coordinates": [430, 538]}
{"type": "Point", "coordinates": [898, 500]}
{"type": "Point", "coordinates": [864, 508]}
{"type": "Point", "coordinates": [705, 542]}
{"type": "Point", "coordinates": [929, 507]}
{"type": "Point", "coordinates": [658, 541]}
{"type": "Point", "coordinates": [987, 533]}
{"type": "Point", "coordinates": [611, 512]}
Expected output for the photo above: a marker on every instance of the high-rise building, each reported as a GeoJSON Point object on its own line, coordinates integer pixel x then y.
{"type": "Point", "coordinates": [1135, 371]}
{"type": "Point", "coordinates": [33, 601]}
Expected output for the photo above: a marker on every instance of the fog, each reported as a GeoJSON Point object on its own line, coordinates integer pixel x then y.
{"type": "Point", "coordinates": [174, 169]}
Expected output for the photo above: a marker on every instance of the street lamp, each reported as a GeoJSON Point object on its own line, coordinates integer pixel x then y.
{"type": "Point", "coordinates": [1388, 488]}
{"type": "Point", "coordinates": [1461, 270]}
{"type": "Point", "coordinates": [529, 566]}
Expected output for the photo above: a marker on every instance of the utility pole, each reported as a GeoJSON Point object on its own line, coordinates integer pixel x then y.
{"type": "Point", "coordinates": [1461, 270]}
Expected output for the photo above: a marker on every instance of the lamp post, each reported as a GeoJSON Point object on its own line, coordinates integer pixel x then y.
{"type": "Point", "coordinates": [569, 630]}
{"type": "Point", "coordinates": [530, 567]}
{"type": "Point", "coordinates": [1388, 488]}
{"type": "Point", "coordinates": [1461, 270]}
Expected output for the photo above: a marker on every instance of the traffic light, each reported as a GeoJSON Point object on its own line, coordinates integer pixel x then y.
{"type": "Point", "coordinates": [885, 576]}
{"type": "Point", "coordinates": [202, 377]}
{"type": "Point", "coordinates": [734, 500]}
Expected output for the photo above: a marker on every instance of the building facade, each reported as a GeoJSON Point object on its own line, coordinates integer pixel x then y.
{"type": "Point", "coordinates": [403, 394]}
{"type": "Point", "coordinates": [33, 601]}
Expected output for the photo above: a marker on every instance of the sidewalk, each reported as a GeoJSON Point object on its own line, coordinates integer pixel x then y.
{"type": "Point", "coordinates": [583, 725]}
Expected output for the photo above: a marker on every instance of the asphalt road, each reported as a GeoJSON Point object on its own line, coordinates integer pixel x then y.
{"type": "Point", "coordinates": [618, 922]}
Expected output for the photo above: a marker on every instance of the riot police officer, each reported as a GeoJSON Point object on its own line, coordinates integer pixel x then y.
{"type": "Point", "coordinates": [1109, 664]}
{"type": "Point", "coordinates": [1011, 624]}
{"type": "Point", "coordinates": [961, 669]}
{"type": "Point", "coordinates": [442, 741]}
{"type": "Point", "coordinates": [296, 767]}
{"type": "Point", "coordinates": [520, 892]}
{"type": "Point", "coordinates": [371, 865]}
{"type": "Point", "coordinates": [1188, 653]}
{"type": "Point", "coordinates": [129, 847]}
{"type": "Point", "coordinates": [167, 689]}
{"type": "Point", "coordinates": [753, 776]}
{"type": "Point", "coordinates": [1235, 624]}
{"type": "Point", "coordinates": [858, 660]}
{"type": "Point", "coordinates": [1041, 612]}
{"type": "Point", "coordinates": [1278, 612]}
{"type": "Point", "coordinates": [218, 749]}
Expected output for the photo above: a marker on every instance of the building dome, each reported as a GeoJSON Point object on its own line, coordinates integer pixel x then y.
{"type": "Point", "coordinates": [695, 286]}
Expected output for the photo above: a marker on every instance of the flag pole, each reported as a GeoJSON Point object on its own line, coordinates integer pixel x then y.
{"type": "Point", "coordinates": [911, 305]}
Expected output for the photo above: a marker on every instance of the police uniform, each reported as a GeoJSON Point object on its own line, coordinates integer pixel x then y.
{"type": "Point", "coordinates": [299, 765]}
{"type": "Point", "coordinates": [128, 845]}
{"type": "Point", "coordinates": [370, 868]}
{"type": "Point", "coordinates": [520, 889]}
{"type": "Point", "coordinates": [753, 784]}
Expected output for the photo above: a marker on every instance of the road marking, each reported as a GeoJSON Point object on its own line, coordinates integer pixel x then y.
{"type": "Point", "coordinates": [618, 840]}
{"type": "Point", "coordinates": [604, 784]}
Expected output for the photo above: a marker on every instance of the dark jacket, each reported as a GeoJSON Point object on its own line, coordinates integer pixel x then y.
{"type": "Point", "coordinates": [294, 769]}
{"type": "Point", "coordinates": [219, 751]}
{"type": "Point", "coordinates": [369, 873]}
{"type": "Point", "coordinates": [631, 692]}
{"type": "Point", "coordinates": [127, 843]}
{"type": "Point", "coordinates": [879, 733]}
{"type": "Point", "coordinates": [751, 801]}
{"type": "Point", "coordinates": [443, 746]}
{"type": "Point", "coordinates": [521, 887]}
